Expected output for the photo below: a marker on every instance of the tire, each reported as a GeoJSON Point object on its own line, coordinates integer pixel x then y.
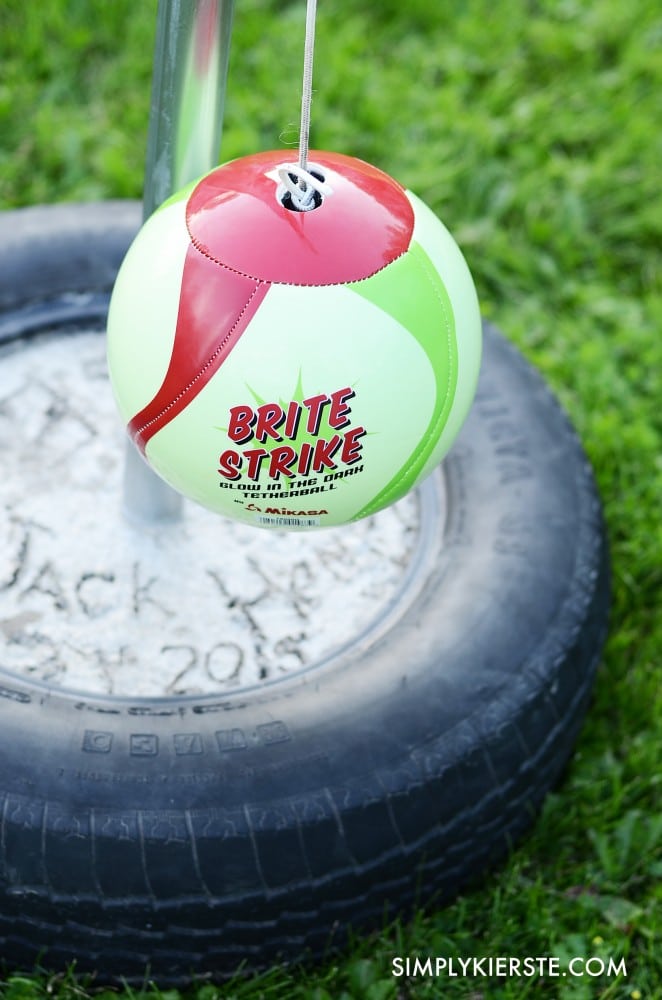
{"type": "Point", "coordinates": [188, 835]}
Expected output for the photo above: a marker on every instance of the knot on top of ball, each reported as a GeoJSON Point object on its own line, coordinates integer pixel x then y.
{"type": "Point", "coordinates": [302, 190]}
{"type": "Point", "coordinates": [235, 217]}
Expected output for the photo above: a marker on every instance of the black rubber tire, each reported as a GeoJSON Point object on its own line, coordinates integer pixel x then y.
{"type": "Point", "coordinates": [191, 835]}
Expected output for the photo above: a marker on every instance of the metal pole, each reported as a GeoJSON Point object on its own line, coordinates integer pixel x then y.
{"type": "Point", "coordinates": [184, 138]}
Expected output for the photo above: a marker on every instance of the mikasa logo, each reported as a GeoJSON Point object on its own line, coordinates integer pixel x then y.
{"type": "Point", "coordinates": [270, 423]}
{"type": "Point", "coordinates": [286, 512]}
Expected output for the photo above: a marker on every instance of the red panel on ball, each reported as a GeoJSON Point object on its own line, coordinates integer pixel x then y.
{"type": "Point", "coordinates": [235, 217]}
{"type": "Point", "coordinates": [215, 307]}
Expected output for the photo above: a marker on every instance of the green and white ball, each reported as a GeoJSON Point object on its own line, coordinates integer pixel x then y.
{"type": "Point", "coordinates": [289, 368]}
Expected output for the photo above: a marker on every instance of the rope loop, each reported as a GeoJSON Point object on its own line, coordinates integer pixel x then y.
{"type": "Point", "coordinates": [301, 190]}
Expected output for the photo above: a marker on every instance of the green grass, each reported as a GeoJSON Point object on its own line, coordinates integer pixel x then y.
{"type": "Point", "coordinates": [533, 130]}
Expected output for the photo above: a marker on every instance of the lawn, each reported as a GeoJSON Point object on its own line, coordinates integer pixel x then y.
{"type": "Point", "coordinates": [533, 130]}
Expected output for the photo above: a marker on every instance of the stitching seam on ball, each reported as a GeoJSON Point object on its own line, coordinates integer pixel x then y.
{"type": "Point", "coordinates": [210, 360]}
{"type": "Point", "coordinates": [291, 284]}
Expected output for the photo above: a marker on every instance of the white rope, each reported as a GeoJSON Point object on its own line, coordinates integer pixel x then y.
{"type": "Point", "coordinates": [298, 180]}
{"type": "Point", "coordinates": [307, 85]}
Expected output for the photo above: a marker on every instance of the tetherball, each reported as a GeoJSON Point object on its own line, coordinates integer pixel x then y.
{"type": "Point", "coordinates": [294, 349]}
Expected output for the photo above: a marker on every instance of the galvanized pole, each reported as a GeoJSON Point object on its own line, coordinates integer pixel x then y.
{"type": "Point", "coordinates": [186, 120]}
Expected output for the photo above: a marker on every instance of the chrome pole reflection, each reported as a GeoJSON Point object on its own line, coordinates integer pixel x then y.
{"type": "Point", "coordinates": [186, 119]}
